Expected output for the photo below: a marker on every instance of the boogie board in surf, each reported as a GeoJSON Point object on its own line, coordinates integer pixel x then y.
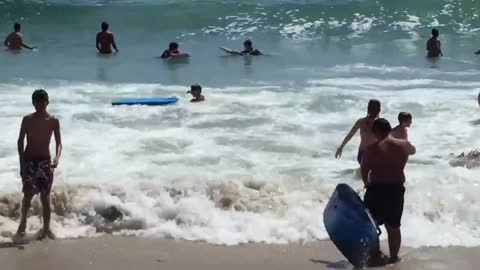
{"type": "Point", "coordinates": [349, 225]}
{"type": "Point", "coordinates": [146, 101]}
{"type": "Point", "coordinates": [229, 51]}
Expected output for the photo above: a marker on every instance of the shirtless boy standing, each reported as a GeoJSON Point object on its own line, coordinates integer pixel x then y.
{"type": "Point", "coordinates": [365, 125]}
{"type": "Point", "coordinates": [404, 122]}
{"type": "Point", "coordinates": [36, 167]}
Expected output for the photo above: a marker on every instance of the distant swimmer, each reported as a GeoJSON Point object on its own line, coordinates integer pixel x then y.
{"type": "Point", "coordinates": [477, 52]}
{"type": "Point", "coordinates": [173, 51]}
{"type": "Point", "coordinates": [14, 40]}
{"type": "Point", "coordinates": [196, 92]}
{"type": "Point", "coordinates": [434, 48]}
{"type": "Point", "coordinates": [404, 122]}
{"type": "Point", "coordinates": [365, 125]}
{"type": "Point", "coordinates": [248, 49]}
{"type": "Point", "coordinates": [383, 174]}
{"type": "Point", "coordinates": [105, 40]}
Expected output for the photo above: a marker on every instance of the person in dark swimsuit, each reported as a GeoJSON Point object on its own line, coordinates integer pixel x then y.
{"type": "Point", "coordinates": [105, 40]}
{"type": "Point", "coordinates": [248, 49]}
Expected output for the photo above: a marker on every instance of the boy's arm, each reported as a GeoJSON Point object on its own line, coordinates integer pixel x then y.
{"type": "Point", "coordinates": [6, 41]}
{"type": "Point", "coordinates": [58, 142]}
{"type": "Point", "coordinates": [21, 146]}
{"type": "Point", "coordinates": [349, 136]}
{"type": "Point", "coordinates": [97, 42]}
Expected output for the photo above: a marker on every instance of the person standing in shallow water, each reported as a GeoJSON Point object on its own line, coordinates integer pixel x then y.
{"type": "Point", "coordinates": [14, 40]}
{"type": "Point", "coordinates": [365, 125]}
{"type": "Point", "coordinates": [36, 167]}
{"type": "Point", "coordinates": [105, 40]}
{"type": "Point", "coordinates": [382, 169]}
{"type": "Point", "coordinates": [434, 48]}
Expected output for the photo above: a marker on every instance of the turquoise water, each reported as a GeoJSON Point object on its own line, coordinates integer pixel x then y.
{"type": "Point", "coordinates": [300, 36]}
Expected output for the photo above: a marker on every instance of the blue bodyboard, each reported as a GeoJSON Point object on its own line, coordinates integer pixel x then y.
{"type": "Point", "coordinates": [146, 101]}
{"type": "Point", "coordinates": [350, 226]}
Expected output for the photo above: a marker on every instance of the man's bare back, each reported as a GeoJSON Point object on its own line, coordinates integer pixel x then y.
{"type": "Point", "coordinates": [386, 162]}
{"type": "Point", "coordinates": [104, 42]}
{"type": "Point", "coordinates": [14, 41]}
{"type": "Point", "coordinates": [39, 130]}
{"type": "Point", "coordinates": [366, 136]}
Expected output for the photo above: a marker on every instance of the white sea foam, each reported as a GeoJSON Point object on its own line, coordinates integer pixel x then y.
{"type": "Point", "coordinates": [249, 165]}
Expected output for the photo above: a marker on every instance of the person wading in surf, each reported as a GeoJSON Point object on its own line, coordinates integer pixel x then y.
{"type": "Point", "coordinates": [365, 126]}
{"type": "Point", "coordinates": [382, 173]}
{"type": "Point", "coordinates": [105, 40]}
{"type": "Point", "coordinates": [14, 40]}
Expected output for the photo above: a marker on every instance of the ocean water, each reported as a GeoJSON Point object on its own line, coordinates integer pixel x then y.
{"type": "Point", "coordinates": [255, 163]}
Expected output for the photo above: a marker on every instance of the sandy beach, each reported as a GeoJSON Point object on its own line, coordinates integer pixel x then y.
{"type": "Point", "coordinates": [113, 252]}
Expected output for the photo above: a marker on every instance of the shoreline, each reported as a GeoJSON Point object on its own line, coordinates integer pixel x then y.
{"type": "Point", "coordinates": [123, 252]}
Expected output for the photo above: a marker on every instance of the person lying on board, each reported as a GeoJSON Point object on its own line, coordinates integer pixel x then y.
{"type": "Point", "coordinates": [404, 122]}
{"type": "Point", "coordinates": [173, 51]}
{"type": "Point", "coordinates": [14, 40]}
{"type": "Point", "coordinates": [196, 92]}
{"type": "Point", "coordinates": [105, 40]}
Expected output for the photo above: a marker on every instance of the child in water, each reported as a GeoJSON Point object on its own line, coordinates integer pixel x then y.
{"type": "Point", "coordinates": [196, 92]}
{"type": "Point", "coordinates": [404, 122]}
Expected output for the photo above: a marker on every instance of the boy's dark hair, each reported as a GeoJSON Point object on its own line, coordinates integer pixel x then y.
{"type": "Point", "coordinates": [381, 126]}
{"type": "Point", "coordinates": [173, 46]}
{"type": "Point", "coordinates": [374, 107]}
{"type": "Point", "coordinates": [435, 32]}
{"type": "Point", "coordinates": [39, 95]}
{"type": "Point", "coordinates": [16, 26]}
{"type": "Point", "coordinates": [195, 87]}
{"type": "Point", "coordinates": [105, 26]}
{"type": "Point", "coordinates": [247, 42]}
{"type": "Point", "coordinates": [404, 116]}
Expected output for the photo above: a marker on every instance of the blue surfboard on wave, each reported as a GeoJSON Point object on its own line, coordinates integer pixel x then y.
{"type": "Point", "coordinates": [350, 225]}
{"type": "Point", "coordinates": [155, 101]}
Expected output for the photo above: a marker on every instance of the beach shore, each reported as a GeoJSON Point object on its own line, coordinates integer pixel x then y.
{"type": "Point", "coordinates": [117, 252]}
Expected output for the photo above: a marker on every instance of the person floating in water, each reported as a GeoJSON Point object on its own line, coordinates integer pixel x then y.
{"type": "Point", "coordinates": [105, 40]}
{"type": "Point", "coordinates": [365, 126]}
{"type": "Point", "coordinates": [36, 167]}
{"type": "Point", "coordinates": [434, 48]}
{"type": "Point", "coordinates": [248, 49]}
{"type": "Point", "coordinates": [14, 40]}
{"type": "Point", "coordinates": [173, 51]}
{"type": "Point", "coordinates": [404, 122]}
{"type": "Point", "coordinates": [196, 92]}
{"type": "Point", "coordinates": [382, 169]}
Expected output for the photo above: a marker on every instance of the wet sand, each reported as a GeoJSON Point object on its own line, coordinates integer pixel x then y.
{"type": "Point", "coordinates": [118, 252]}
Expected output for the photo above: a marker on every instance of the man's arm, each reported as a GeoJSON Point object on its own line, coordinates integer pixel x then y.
{"type": "Point", "coordinates": [21, 146]}
{"type": "Point", "coordinates": [365, 168]}
{"type": "Point", "coordinates": [349, 136]}
{"type": "Point", "coordinates": [23, 44]}
{"type": "Point", "coordinates": [406, 146]}
{"type": "Point", "coordinates": [6, 41]}
{"type": "Point", "coordinates": [113, 44]}
{"type": "Point", "coordinates": [97, 42]}
{"type": "Point", "coordinates": [58, 142]}
{"type": "Point", "coordinates": [440, 48]}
